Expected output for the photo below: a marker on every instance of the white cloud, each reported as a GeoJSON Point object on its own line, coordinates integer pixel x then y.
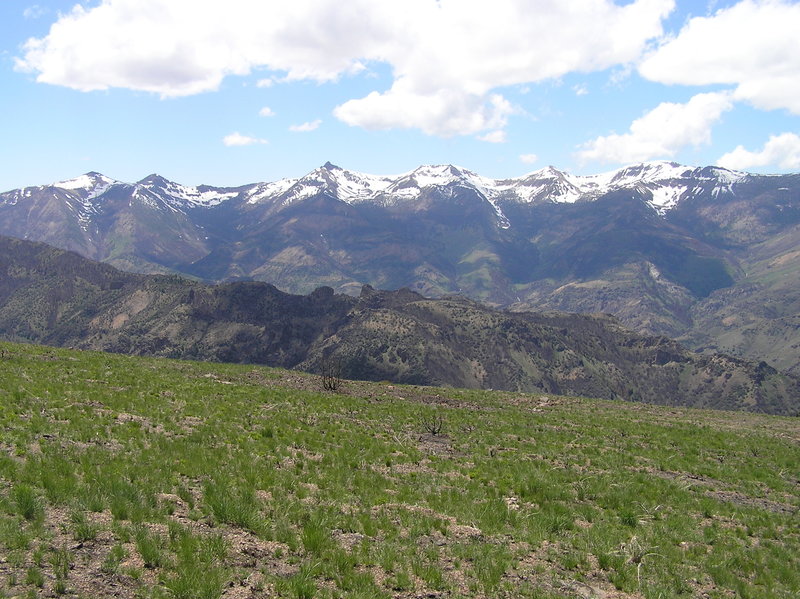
{"type": "Point", "coordinates": [183, 47]}
{"type": "Point", "coordinates": [268, 82]}
{"type": "Point", "coordinates": [461, 50]}
{"type": "Point", "coordinates": [753, 44]}
{"type": "Point", "coordinates": [528, 158]}
{"type": "Point", "coordinates": [266, 111]}
{"type": "Point", "coordinates": [662, 132]}
{"type": "Point", "coordinates": [448, 57]}
{"type": "Point", "coordinates": [781, 150]}
{"type": "Point", "coordinates": [444, 112]}
{"type": "Point", "coordinates": [620, 75]}
{"type": "Point", "coordinates": [34, 12]}
{"type": "Point", "coordinates": [305, 127]}
{"type": "Point", "coordinates": [580, 90]}
{"type": "Point", "coordinates": [498, 136]}
{"type": "Point", "coordinates": [237, 139]}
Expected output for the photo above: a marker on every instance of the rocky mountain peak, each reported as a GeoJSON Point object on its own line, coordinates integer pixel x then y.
{"type": "Point", "coordinates": [154, 180]}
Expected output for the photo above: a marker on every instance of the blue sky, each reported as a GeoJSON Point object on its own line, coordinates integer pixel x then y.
{"type": "Point", "coordinates": [228, 93]}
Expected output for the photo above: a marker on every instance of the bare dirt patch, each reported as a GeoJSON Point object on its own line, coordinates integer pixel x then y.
{"type": "Point", "coordinates": [743, 500]}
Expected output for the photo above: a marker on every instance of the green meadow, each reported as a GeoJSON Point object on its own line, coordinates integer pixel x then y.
{"type": "Point", "coordinates": [134, 477]}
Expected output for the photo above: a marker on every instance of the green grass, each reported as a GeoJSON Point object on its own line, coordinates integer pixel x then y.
{"type": "Point", "coordinates": [179, 479]}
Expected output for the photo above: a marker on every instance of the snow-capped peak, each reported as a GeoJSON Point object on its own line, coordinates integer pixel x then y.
{"type": "Point", "coordinates": [548, 172]}
{"type": "Point", "coordinates": [351, 186]}
{"type": "Point", "coordinates": [347, 186]}
{"type": "Point", "coordinates": [664, 183]}
{"type": "Point", "coordinates": [91, 183]}
{"type": "Point", "coordinates": [669, 183]}
{"type": "Point", "coordinates": [440, 174]}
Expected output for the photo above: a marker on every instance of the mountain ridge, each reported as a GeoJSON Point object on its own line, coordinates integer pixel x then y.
{"type": "Point", "coordinates": [353, 186]}
{"type": "Point", "coordinates": [657, 244]}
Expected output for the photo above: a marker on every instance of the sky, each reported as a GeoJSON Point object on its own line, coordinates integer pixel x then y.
{"type": "Point", "coordinates": [243, 91]}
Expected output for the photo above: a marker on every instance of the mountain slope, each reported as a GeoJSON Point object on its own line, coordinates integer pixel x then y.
{"type": "Point", "coordinates": [134, 477]}
{"type": "Point", "coordinates": [56, 297]}
{"type": "Point", "coordinates": [664, 247]}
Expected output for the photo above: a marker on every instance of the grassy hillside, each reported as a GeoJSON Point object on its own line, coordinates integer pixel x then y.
{"type": "Point", "coordinates": [134, 477]}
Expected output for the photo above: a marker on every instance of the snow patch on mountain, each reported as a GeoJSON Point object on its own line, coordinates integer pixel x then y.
{"type": "Point", "coordinates": [648, 172]}
{"type": "Point", "coordinates": [192, 195]}
{"type": "Point", "coordinates": [723, 175]}
{"type": "Point", "coordinates": [178, 196]}
{"type": "Point", "coordinates": [352, 186]}
{"type": "Point", "coordinates": [10, 198]}
{"type": "Point", "coordinates": [147, 197]}
{"type": "Point", "coordinates": [301, 191]}
{"type": "Point", "coordinates": [86, 212]}
{"type": "Point", "coordinates": [667, 197]}
{"type": "Point", "coordinates": [265, 191]}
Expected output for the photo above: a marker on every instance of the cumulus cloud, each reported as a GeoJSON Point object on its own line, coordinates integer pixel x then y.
{"type": "Point", "coordinates": [782, 151]}
{"type": "Point", "coordinates": [753, 45]}
{"type": "Point", "coordinates": [266, 111]}
{"type": "Point", "coordinates": [460, 51]}
{"type": "Point", "coordinates": [662, 132]}
{"type": "Point", "coordinates": [183, 47]}
{"type": "Point", "coordinates": [444, 112]}
{"type": "Point", "coordinates": [448, 57]}
{"type": "Point", "coordinates": [305, 127]}
{"type": "Point", "coordinates": [528, 158]}
{"type": "Point", "coordinates": [237, 139]}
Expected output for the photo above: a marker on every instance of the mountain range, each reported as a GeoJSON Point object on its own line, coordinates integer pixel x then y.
{"type": "Point", "coordinates": [57, 297]}
{"type": "Point", "coordinates": [704, 255]}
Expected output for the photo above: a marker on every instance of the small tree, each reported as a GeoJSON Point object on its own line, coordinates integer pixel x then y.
{"type": "Point", "coordinates": [433, 424]}
{"type": "Point", "coordinates": [331, 373]}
